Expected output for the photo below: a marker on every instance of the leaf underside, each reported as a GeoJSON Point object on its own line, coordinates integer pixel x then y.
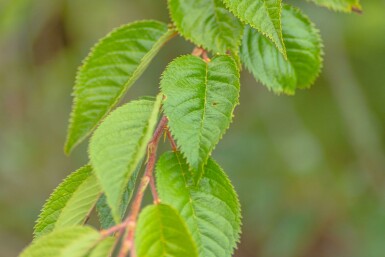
{"type": "Point", "coordinates": [211, 208]}
{"type": "Point", "coordinates": [199, 102]}
{"type": "Point", "coordinates": [74, 242]}
{"type": "Point", "coordinates": [340, 5]}
{"type": "Point", "coordinates": [111, 68]}
{"type": "Point", "coordinates": [304, 54]}
{"type": "Point", "coordinates": [162, 233]}
{"type": "Point", "coordinates": [207, 23]}
{"type": "Point", "coordinates": [106, 219]}
{"type": "Point", "coordinates": [263, 15]}
{"type": "Point", "coordinates": [70, 203]}
{"type": "Point", "coordinates": [118, 146]}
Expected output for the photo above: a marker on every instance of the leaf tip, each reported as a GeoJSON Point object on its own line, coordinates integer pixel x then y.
{"type": "Point", "coordinates": [356, 9]}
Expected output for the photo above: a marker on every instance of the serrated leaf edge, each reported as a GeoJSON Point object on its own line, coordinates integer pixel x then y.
{"type": "Point", "coordinates": [144, 62]}
{"type": "Point", "coordinates": [200, 170]}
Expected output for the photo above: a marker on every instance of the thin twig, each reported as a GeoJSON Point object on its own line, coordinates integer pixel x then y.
{"type": "Point", "coordinates": [172, 141]}
{"type": "Point", "coordinates": [130, 222]}
{"type": "Point", "coordinates": [112, 230]}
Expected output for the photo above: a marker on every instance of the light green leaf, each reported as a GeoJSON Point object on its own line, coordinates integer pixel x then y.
{"type": "Point", "coordinates": [211, 208]}
{"type": "Point", "coordinates": [104, 248]}
{"type": "Point", "coordinates": [304, 54]}
{"type": "Point", "coordinates": [70, 203]}
{"type": "Point", "coordinates": [162, 233]}
{"type": "Point", "coordinates": [118, 146]}
{"type": "Point", "coordinates": [207, 23]}
{"type": "Point", "coordinates": [103, 209]}
{"type": "Point", "coordinates": [263, 15]}
{"type": "Point", "coordinates": [200, 100]}
{"type": "Point", "coordinates": [340, 5]}
{"type": "Point", "coordinates": [74, 242]}
{"type": "Point", "coordinates": [111, 68]}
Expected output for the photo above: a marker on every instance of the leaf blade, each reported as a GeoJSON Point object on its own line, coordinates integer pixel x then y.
{"type": "Point", "coordinates": [106, 219]}
{"type": "Point", "coordinates": [104, 248]}
{"type": "Point", "coordinates": [304, 54]}
{"type": "Point", "coordinates": [168, 235]}
{"type": "Point", "coordinates": [263, 15]}
{"type": "Point", "coordinates": [74, 241]}
{"type": "Point", "coordinates": [111, 68]}
{"type": "Point", "coordinates": [70, 203]}
{"type": "Point", "coordinates": [119, 144]}
{"type": "Point", "coordinates": [215, 29]}
{"type": "Point", "coordinates": [211, 208]}
{"type": "Point", "coordinates": [200, 100]}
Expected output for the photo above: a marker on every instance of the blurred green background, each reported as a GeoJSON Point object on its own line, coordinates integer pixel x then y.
{"type": "Point", "coordinates": [309, 169]}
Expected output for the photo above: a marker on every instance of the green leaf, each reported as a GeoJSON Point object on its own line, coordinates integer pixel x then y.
{"type": "Point", "coordinates": [304, 54]}
{"type": "Point", "coordinates": [103, 209]}
{"type": "Point", "coordinates": [263, 15]}
{"type": "Point", "coordinates": [104, 248]}
{"type": "Point", "coordinates": [162, 233]}
{"type": "Point", "coordinates": [340, 5]}
{"type": "Point", "coordinates": [200, 100]}
{"type": "Point", "coordinates": [74, 242]}
{"type": "Point", "coordinates": [118, 146]}
{"type": "Point", "coordinates": [211, 208]}
{"type": "Point", "coordinates": [207, 23]}
{"type": "Point", "coordinates": [111, 68]}
{"type": "Point", "coordinates": [70, 203]}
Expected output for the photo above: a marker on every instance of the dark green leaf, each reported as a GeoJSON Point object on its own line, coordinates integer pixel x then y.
{"type": "Point", "coordinates": [304, 54]}
{"type": "Point", "coordinates": [207, 23]}
{"type": "Point", "coordinates": [263, 15]}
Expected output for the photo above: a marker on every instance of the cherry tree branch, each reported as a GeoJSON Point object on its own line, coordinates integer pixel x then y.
{"type": "Point", "coordinates": [130, 222]}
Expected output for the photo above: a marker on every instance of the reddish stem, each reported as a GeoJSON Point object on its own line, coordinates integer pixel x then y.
{"type": "Point", "coordinates": [172, 141]}
{"type": "Point", "coordinates": [130, 222]}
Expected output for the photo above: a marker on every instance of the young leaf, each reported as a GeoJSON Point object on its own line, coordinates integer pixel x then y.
{"type": "Point", "coordinates": [211, 208]}
{"type": "Point", "coordinates": [340, 5]}
{"type": "Point", "coordinates": [304, 54]}
{"type": "Point", "coordinates": [70, 203]}
{"type": "Point", "coordinates": [263, 15]}
{"type": "Point", "coordinates": [162, 233]}
{"type": "Point", "coordinates": [103, 209]}
{"type": "Point", "coordinates": [200, 100]}
{"type": "Point", "coordinates": [74, 242]}
{"type": "Point", "coordinates": [207, 23]}
{"type": "Point", "coordinates": [104, 248]}
{"type": "Point", "coordinates": [118, 146]}
{"type": "Point", "coordinates": [113, 65]}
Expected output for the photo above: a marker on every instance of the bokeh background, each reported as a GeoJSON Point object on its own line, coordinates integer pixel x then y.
{"type": "Point", "coordinates": [309, 169]}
